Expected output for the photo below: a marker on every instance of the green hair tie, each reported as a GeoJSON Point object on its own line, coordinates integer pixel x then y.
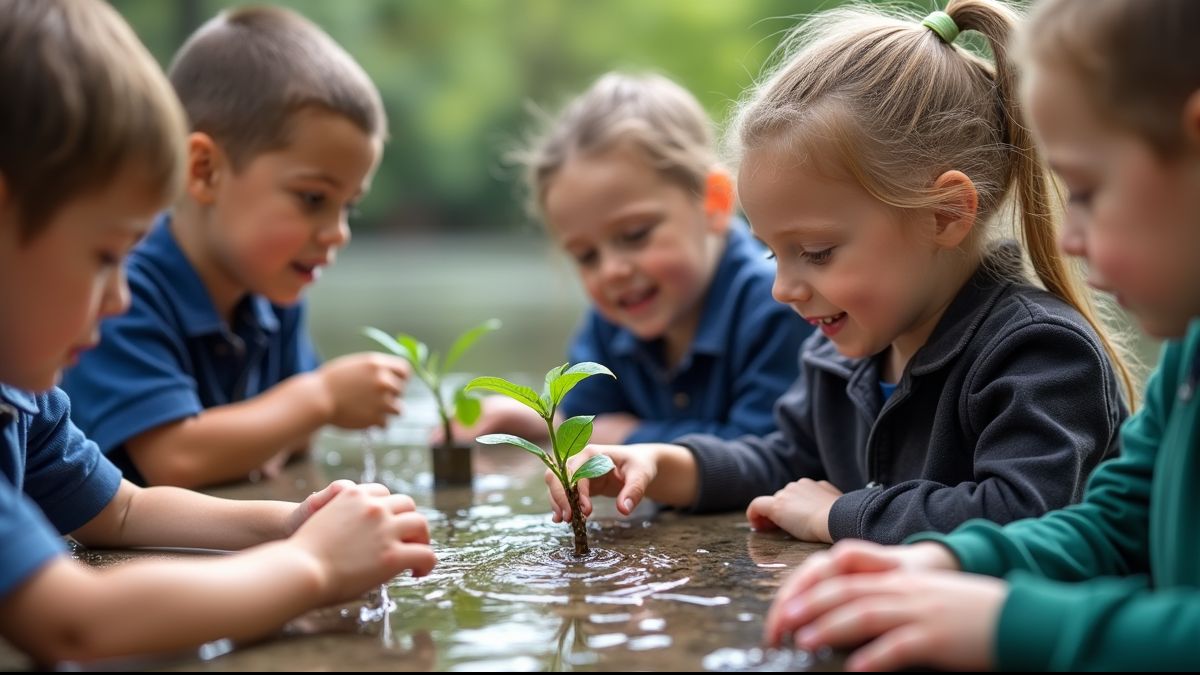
{"type": "Point", "coordinates": [943, 25]}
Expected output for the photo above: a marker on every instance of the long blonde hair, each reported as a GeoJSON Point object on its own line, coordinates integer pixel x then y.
{"type": "Point", "coordinates": [898, 106]}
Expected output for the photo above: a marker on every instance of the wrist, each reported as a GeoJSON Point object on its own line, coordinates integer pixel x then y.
{"type": "Point", "coordinates": [311, 572]}
{"type": "Point", "coordinates": [318, 395]}
{"type": "Point", "coordinates": [934, 556]}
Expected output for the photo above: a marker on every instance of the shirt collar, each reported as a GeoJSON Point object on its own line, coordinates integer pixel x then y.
{"type": "Point", "coordinates": [188, 293]}
{"type": "Point", "coordinates": [18, 398]}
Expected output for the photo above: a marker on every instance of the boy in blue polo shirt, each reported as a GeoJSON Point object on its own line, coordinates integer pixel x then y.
{"type": "Point", "coordinates": [91, 153]}
{"type": "Point", "coordinates": [628, 185]}
{"type": "Point", "coordinates": [210, 375]}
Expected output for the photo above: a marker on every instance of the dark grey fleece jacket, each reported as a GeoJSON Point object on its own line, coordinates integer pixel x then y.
{"type": "Point", "coordinates": [1001, 415]}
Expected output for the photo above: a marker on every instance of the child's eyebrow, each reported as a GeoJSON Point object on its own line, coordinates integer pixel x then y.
{"type": "Point", "coordinates": [321, 176]}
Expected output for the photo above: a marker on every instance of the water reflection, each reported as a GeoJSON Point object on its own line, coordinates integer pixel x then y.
{"type": "Point", "coordinates": [660, 591]}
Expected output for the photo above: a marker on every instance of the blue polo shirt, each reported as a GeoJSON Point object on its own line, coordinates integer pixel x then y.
{"type": "Point", "coordinates": [52, 480]}
{"type": "Point", "coordinates": [171, 355]}
{"type": "Point", "coordinates": [744, 356]}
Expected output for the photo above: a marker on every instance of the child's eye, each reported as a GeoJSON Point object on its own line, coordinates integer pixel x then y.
{"type": "Point", "coordinates": [312, 201]}
{"type": "Point", "coordinates": [584, 258]}
{"type": "Point", "coordinates": [1082, 199]}
{"type": "Point", "coordinates": [637, 235]}
{"type": "Point", "coordinates": [108, 259]}
{"type": "Point", "coordinates": [819, 257]}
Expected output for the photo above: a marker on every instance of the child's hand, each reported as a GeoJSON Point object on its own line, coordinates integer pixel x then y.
{"type": "Point", "coordinates": [361, 539]}
{"type": "Point", "coordinates": [801, 508]}
{"type": "Point", "coordinates": [635, 467]}
{"type": "Point", "coordinates": [364, 389]}
{"type": "Point", "coordinates": [938, 619]}
{"type": "Point", "coordinates": [500, 414]}
{"type": "Point", "coordinates": [317, 500]}
{"type": "Point", "coordinates": [845, 558]}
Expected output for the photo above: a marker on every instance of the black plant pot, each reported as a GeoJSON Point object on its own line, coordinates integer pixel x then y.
{"type": "Point", "coordinates": [452, 464]}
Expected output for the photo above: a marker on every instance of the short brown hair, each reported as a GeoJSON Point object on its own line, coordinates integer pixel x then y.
{"type": "Point", "coordinates": [1138, 60]}
{"type": "Point", "coordinates": [244, 74]}
{"type": "Point", "coordinates": [85, 99]}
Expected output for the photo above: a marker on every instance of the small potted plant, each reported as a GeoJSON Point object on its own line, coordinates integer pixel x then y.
{"type": "Point", "coordinates": [451, 460]}
{"type": "Point", "coordinates": [565, 442]}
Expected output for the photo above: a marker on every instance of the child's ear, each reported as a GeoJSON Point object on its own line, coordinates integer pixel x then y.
{"type": "Point", "coordinates": [718, 201]}
{"type": "Point", "coordinates": [205, 167]}
{"type": "Point", "coordinates": [954, 218]}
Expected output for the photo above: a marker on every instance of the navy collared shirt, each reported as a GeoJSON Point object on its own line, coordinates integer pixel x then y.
{"type": "Point", "coordinates": [52, 480]}
{"type": "Point", "coordinates": [744, 356]}
{"type": "Point", "coordinates": [172, 356]}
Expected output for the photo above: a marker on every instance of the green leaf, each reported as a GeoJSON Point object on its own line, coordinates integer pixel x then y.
{"type": "Point", "coordinates": [514, 391]}
{"type": "Point", "coordinates": [573, 376]}
{"type": "Point", "coordinates": [552, 375]}
{"type": "Point", "coordinates": [509, 439]}
{"type": "Point", "coordinates": [593, 468]}
{"type": "Point", "coordinates": [464, 341]}
{"type": "Point", "coordinates": [572, 436]}
{"type": "Point", "coordinates": [388, 342]}
{"type": "Point", "coordinates": [415, 347]}
{"type": "Point", "coordinates": [467, 408]}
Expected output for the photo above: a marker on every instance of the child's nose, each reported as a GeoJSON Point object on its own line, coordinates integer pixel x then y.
{"type": "Point", "coordinates": [1072, 241]}
{"type": "Point", "coordinates": [615, 266]}
{"type": "Point", "coordinates": [116, 296]}
{"type": "Point", "coordinates": [790, 291]}
{"type": "Point", "coordinates": [336, 234]}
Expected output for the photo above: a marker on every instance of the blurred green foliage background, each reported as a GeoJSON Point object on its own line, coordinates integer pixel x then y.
{"type": "Point", "coordinates": [458, 76]}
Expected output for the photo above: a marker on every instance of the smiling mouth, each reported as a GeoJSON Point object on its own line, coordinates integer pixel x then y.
{"type": "Point", "coordinates": [637, 299]}
{"type": "Point", "coordinates": [827, 320]}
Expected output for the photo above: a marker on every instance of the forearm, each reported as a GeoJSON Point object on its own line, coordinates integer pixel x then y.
{"type": "Point", "coordinates": [168, 516]}
{"type": "Point", "coordinates": [228, 442]}
{"type": "Point", "coordinates": [70, 612]}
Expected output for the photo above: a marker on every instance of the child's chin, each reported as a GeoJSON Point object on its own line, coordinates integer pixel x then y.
{"type": "Point", "coordinates": [285, 299]}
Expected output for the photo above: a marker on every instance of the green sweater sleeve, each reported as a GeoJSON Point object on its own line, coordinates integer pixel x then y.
{"type": "Point", "coordinates": [1106, 534]}
{"type": "Point", "coordinates": [1105, 624]}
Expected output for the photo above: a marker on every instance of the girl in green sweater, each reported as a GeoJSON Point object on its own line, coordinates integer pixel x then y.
{"type": "Point", "coordinates": [1113, 583]}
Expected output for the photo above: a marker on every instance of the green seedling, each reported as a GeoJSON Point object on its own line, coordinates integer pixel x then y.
{"type": "Point", "coordinates": [566, 441]}
{"type": "Point", "coordinates": [453, 403]}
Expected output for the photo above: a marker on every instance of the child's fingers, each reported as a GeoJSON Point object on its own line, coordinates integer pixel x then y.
{"type": "Point", "coordinates": [906, 646]}
{"type": "Point", "coordinates": [416, 557]}
{"type": "Point", "coordinates": [827, 596]}
{"type": "Point", "coordinates": [847, 557]}
{"type": "Point", "coordinates": [558, 498]}
{"type": "Point", "coordinates": [759, 513]}
{"type": "Point", "coordinates": [856, 622]}
{"type": "Point", "coordinates": [633, 491]}
{"type": "Point", "coordinates": [412, 528]}
{"type": "Point", "coordinates": [398, 503]}
{"type": "Point", "coordinates": [375, 489]}
{"type": "Point", "coordinates": [322, 497]}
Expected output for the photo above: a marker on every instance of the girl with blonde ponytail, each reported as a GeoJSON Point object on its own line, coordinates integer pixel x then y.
{"type": "Point", "coordinates": [880, 162]}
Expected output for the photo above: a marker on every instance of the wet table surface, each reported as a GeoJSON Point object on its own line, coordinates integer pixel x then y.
{"type": "Point", "coordinates": [660, 591]}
